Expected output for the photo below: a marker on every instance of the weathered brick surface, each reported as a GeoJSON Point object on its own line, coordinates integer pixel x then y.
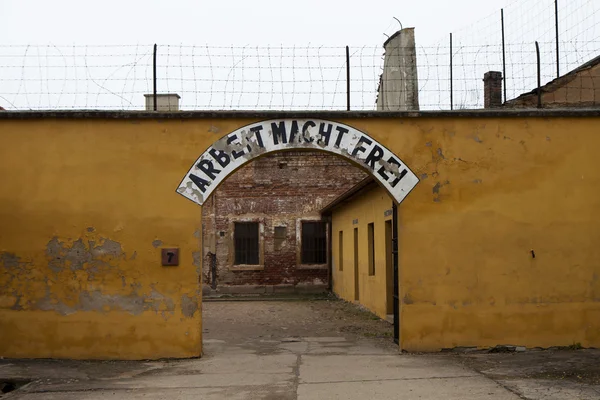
{"type": "Point", "coordinates": [492, 89]}
{"type": "Point", "coordinates": [278, 190]}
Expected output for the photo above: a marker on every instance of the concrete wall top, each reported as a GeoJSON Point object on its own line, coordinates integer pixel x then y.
{"type": "Point", "coordinates": [508, 113]}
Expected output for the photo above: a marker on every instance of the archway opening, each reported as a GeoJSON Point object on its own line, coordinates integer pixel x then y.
{"type": "Point", "coordinates": [264, 231]}
{"type": "Point", "coordinates": [288, 203]}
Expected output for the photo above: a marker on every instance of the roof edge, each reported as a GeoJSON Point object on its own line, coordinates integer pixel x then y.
{"type": "Point", "coordinates": [368, 182]}
{"type": "Point", "coordinates": [558, 82]}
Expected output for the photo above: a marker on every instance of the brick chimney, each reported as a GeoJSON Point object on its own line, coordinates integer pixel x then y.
{"type": "Point", "coordinates": [492, 89]}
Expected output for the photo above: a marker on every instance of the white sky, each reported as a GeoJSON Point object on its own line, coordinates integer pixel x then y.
{"type": "Point", "coordinates": [226, 22]}
{"type": "Point", "coordinates": [267, 54]}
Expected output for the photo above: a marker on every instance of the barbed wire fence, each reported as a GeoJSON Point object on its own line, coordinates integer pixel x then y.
{"type": "Point", "coordinates": [311, 77]}
{"type": "Point", "coordinates": [505, 41]}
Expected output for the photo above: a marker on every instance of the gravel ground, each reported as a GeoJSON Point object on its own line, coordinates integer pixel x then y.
{"type": "Point", "coordinates": [253, 323]}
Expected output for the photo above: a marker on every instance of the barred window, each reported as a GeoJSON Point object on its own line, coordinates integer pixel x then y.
{"type": "Point", "coordinates": [245, 237]}
{"type": "Point", "coordinates": [314, 242]}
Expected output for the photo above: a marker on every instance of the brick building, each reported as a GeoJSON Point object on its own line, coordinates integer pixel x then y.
{"type": "Point", "coordinates": [262, 229]}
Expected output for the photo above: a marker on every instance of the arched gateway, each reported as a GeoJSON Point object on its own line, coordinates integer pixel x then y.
{"type": "Point", "coordinates": [243, 145]}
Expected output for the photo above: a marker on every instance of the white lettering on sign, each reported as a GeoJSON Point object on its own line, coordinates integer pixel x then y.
{"type": "Point", "coordinates": [243, 145]}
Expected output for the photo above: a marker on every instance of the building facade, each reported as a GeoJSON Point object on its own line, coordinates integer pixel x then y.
{"type": "Point", "coordinates": [362, 269]}
{"type": "Point", "coordinates": [262, 228]}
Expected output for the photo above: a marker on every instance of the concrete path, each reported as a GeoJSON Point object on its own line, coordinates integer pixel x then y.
{"type": "Point", "coordinates": [303, 368]}
{"type": "Point", "coordinates": [265, 350]}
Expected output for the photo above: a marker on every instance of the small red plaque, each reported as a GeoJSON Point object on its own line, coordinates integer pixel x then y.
{"type": "Point", "coordinates": [169, 257]}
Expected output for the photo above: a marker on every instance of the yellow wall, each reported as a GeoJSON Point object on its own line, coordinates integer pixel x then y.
{"type": "Point", "coordinates": [85, 207]}
{"type": "Point", "coordinates": [491, 190]}
{"type": "Point", "coordinates": [367, 207]}
{"type": "Point", "coordinates": [494, 191]}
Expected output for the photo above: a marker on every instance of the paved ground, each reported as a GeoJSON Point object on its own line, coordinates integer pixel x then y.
{"type": "Point", "coordinates": [310, 350]}
{"type": "Point", "coordinates": [548, 375]}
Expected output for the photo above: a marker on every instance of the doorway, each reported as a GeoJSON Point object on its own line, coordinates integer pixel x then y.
{"type": "Point", "coordinates": [389, 270]}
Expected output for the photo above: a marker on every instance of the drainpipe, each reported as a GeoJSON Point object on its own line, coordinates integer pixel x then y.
{"type": "Point", "coordinates": [329, 253]}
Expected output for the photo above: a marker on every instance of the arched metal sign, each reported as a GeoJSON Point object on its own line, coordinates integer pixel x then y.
{"type": "Point", "coordinates": [243, 145]}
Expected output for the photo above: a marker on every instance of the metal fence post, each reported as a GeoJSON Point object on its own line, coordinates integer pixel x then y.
{"type": "Point", "coordinates": [557, 46]}
{"type": "Point", "coordinates": [539, 75]}
{"type": "Point", "coordinates": [451, 77]}
{"type": "Point", "coordinates": [154, 77]}
{"type": "Point", "coordinates": [503, 53]}
{"type": "Point", "coordinates": [347, 78]}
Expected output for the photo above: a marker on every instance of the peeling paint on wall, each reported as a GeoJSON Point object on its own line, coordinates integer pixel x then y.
{"type": "Point", "coordinates": [75, 256]}
{"type": "Point", "coordinates": [83, 266]}
{"type": "Point", "coordinates": [436, 190]}
{"type": "Point", "coordinates": [498, 291]}
{"type": "Point", "coordinates": [189, 305]}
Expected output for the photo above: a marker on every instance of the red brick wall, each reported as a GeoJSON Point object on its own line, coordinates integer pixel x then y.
{"type": "Point", "coordinates": [278, 190]}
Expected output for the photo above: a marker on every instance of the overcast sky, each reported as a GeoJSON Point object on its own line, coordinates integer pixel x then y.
{"type": "Point", "coordinates": [226, 22]}
{"type": "Point", "coordinates": [267, 54]}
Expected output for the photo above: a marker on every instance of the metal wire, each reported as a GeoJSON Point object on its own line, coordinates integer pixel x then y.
{"type": "Point", "coordinates": [301, 77]}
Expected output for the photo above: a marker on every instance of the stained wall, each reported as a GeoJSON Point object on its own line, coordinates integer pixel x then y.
{"type": "Point", "coordinates": [87, 203]}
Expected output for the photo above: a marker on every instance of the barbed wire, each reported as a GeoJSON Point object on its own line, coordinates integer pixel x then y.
{"type": "Point", "coordinates": [528, 21]}
{"type": "Point", "coordinates": [303, 77]}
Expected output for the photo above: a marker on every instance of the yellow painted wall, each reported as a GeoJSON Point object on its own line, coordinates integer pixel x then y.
{"type": "Point", "coordinates": [367, 207]}
{"type": "Point", "coordinates": [85, 206]}
{"type": "Point", "coordinates": [491, 190]}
